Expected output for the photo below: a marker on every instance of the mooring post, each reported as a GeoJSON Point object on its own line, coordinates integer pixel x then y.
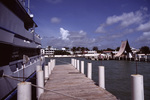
{"type": "Point", "coordinates": [119, 58]}
{"type": "Point", "coordinates": [51, 60]}
{"type": "Point", "coordinates": [102, 76]}
{"type": "Point", "coordinates": [39, 82]}
{"type": "Point", "coordinates": [78, 65]}
{"type": "Point", "coordinates": [82, 67]}
{"type": "Point", "coordinates": [49, 67]}
{"type": "Point", "coordinates": [72, 62]}
{"type": "Point", "coordinates": [24, 91]}
{"type": "Point", "coordinates": [38, 67]}
{"type": "Point", "coordinates": [137, 87]}
{"type": "Point", "coordinates": [46, 72]}
{"type": "Point", "coordinates": [75, 63]}
{"type": "Point", "coordinates": [89, 70]}
{"type": "Point", "coordinates": [54, 62]}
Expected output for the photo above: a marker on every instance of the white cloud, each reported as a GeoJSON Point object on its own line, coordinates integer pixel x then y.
{"type": "Point", "coordinates": [64, 34]}
{"type": "Point", "coordinates": [79, 38]}
{"type": "Point", "coordinates": [100, 29]}
{"type": "Point", "coordinates": [125, 19]}
{"type": "Point", "coordinates": [118, 26]}
{"type": "Point", "coordinates": [71, 38]}
{"type": "Point", "coordinates": [55, 20]}
{"type": "Point", "coordinates": [145, 37]}
{"type": "Point", "coordinates": [77, 35]}
{"type": "Point", "coordinates": [144, 27]}
{"type": "Point", "coordinates": [144, 8]}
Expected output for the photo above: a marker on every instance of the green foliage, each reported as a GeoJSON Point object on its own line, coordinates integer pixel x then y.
{"type": "Point", "coordinates": [145, 50]}
{"type": "Point", "coordinates": [79, 49]}
{"type": "Point", "coordinates": [95, 48]}
{"type": "Point", "coordinates": [117, 49]}
{"type": "Point", "coordinates": [67, 48]}
{"type": "Point", "coordinates": [61, 52]}
{"type": "Point", "coordinates": [109, 49]}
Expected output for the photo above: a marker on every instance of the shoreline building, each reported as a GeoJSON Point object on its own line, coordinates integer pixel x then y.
{"type": "Point", "coordinates": [125, 51]}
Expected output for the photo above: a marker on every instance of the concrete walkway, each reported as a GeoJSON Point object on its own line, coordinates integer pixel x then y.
{"type": "Point", "coordinates": [65, 79]}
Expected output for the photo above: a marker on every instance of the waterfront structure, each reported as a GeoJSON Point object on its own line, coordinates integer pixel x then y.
{"type": "Point", "coordinates": [67, 83]}
{"type": "Point", "coordinates": [142, 57]}
{"type": "Point", "coordinates": [17, 40]}
{"type": "Point", "coordinates": [48, 51]}
{"type": "Point", "coordinates": [124, 51]}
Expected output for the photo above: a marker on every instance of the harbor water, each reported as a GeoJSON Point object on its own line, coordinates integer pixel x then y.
{"type": "Point", "coordinates": [117, 75]}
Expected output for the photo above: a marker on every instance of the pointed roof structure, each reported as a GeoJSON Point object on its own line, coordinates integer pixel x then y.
{"type": "Point", "coordinates": [124, 47]}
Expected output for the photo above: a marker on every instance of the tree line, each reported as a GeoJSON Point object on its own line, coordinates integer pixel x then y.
{"type": "Point", "coordinates": [143, 49]}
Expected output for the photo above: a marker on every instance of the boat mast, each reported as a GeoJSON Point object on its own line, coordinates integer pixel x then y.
{"type": "Point", "coordinates": [29, 7]}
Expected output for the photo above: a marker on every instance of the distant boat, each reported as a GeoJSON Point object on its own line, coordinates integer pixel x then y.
{"type": "Point", "coordinates": [17, 38]}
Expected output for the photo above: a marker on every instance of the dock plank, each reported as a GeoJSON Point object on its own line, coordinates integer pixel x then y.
{"type": "Point", "coordinates": [67, 80]}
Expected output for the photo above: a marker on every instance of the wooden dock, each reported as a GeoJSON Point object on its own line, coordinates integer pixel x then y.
{"type": "Point", "coordinates": [70, 84]}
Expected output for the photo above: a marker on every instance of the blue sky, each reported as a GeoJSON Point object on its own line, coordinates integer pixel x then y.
{"type": "Point", "coordinates": [88, 23]}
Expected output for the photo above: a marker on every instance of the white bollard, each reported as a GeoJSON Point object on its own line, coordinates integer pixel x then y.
{"type": "Point", "coordinates": [101, 77]}
{"type": "Point", "coordinates": [137, 87]}
{"type": "Point", "coordinates": [82, 67]}
{"type": "Point", "coordinates": [46, 72]}
{"type": "Point", "coordinates": [38, 67]}
{"type": "Point", "coordinates": [24, 91]}
{"type": "Point", "coordinates": [72, 61]}
{"type": "Point", "coordinates": [89, 70]}
{"type": "Point", "coordinates": [75, 63]}
{"type": "Point", "coordinates": [49, 67]}
{"type": "Point", "coordinates": [39, 82]}
{"type": "Point", "coordinates": [78, 65]}
{"type": "Point", "coordinates": [54, 62]}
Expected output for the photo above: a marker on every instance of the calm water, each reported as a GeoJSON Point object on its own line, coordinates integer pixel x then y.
{"type": "Point", "coordinates": [117, 75]}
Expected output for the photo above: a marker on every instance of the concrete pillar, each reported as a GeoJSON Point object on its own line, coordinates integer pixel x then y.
{"type": "Point", "coordinates": [101, 77]}
{"type": "Point", "coordinates": [39, 82]}
{"type": "Point", "coordinates": [78, 65]}
{"type": "Point", "coordinates": [38, 67]}
{"type": "Point", "coordinates": [75, 63]}
{"type": "Point", "coordinates": [119, 58]}
{"type": "Point", "coordinates": [54, 62]}
{"type": "Point", "coordinates": [72, 61]}
{"type": "Point", "coordinates": [24, 91]}
{"type": "Point", "coordinates": [46, 72]}
{"type": "Point", "coordinates": [49, 68]}
{"type": "Point", "coordinates": [89, 70]}
{"type": "Point", "coordinates": [137, 87]}
{"type": "Point", "coordinates": [82, 67]}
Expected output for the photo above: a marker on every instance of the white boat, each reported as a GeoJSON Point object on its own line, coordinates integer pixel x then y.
{"type": "Point", "coordinates": [17, 38]}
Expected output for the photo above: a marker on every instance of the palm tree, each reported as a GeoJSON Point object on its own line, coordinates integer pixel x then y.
{"type": "Point", "coordinates": [86, 49]}
{"type": "Point", "coordinates": [145, 50]}
{"type": "Point", "coordinates": [67, 48]}
{"type": "Point", "coordinates": [95, 48]}
{"type": "Point", "coordinates": [78, 48]}
{"type": "Point", "coordinates": [82, 49]}
{"type": "Point", "coordinates": [74, 49]}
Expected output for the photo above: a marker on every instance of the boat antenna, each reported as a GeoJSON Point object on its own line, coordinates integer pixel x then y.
{"type": "Point", "coordinates": [29, 7]}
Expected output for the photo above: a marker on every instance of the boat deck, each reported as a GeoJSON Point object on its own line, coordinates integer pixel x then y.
{"type": "Point", "coordinates": [70, 84]}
